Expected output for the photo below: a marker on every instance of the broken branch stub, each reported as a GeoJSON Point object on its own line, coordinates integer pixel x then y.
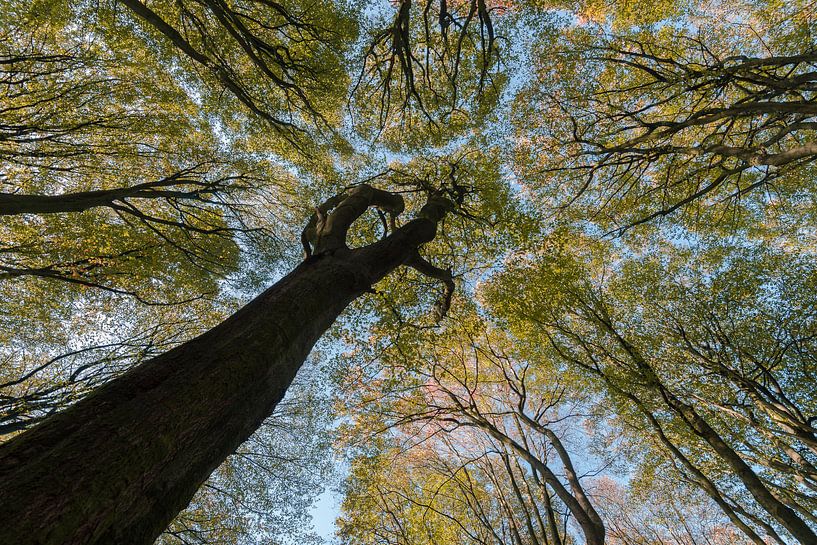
{"type": "Point", "coordinates": [421, 265]}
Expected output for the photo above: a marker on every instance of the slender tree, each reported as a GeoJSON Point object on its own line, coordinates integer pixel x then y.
{"type": "Point", "coordinates": [710, 365]}
{"type": "Point", "coordinates": [470, 412]}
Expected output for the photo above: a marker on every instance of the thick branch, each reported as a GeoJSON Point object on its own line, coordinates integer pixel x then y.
{"type": "Point", "coordinates": [171, 187]}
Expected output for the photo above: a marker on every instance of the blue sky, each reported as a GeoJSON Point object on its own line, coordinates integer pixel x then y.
{"type": "Point", "coordinates": [324, 512]}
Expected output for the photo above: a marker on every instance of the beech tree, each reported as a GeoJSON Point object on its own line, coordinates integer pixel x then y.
{"type": "Point", "coordinates": [716, 388]}
{"type": "Point", "coordinates": [635, 125]}
{"type": "Point", "coordinates": [482, 433]}
{"type": "Point", "coordinates": [280, 65]}
{"type": "Point", "coordinates": [562, 253]}
{"type": "Point", "coordinates": [223, 384]}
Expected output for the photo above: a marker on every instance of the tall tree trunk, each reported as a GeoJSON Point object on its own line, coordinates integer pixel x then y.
{"type": "Point", "coordinates": [118, 466]}
{"type": "Point", "coordinates": [591, 524]}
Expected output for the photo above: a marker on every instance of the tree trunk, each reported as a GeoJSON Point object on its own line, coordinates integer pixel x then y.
{"type": "Point", "coordinates": [592, 526]}
{"type": "Point", "coordinates": [119, 465]}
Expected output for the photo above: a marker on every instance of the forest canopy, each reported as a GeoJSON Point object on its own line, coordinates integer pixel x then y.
{"type": "Point", "coordinates": [608, 335]}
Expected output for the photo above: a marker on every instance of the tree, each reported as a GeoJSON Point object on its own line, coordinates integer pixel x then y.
{"type": "Point", "coordinates": [199, 401]}
{"type": "Point", "coordinates": [159, 158]}
{"type": "Point", "coordinates": [706, 360]}
{"type": "Point", "coordinates": [471, 442]}
{"type": "Point", "coordinates": [128, 69]}
{"type": "Point", "coordinates": [473, 426]}
{"type": "Point", "coordinates": [633, 124]}
{"type": "Point", "coordinates": [111, 172]}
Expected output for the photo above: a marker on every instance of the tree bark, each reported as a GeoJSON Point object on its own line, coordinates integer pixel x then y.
{"type": "Point", "coordinates": [117, 467]}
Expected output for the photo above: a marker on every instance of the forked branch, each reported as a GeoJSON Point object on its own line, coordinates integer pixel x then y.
{"type": "Point", "coordinates": [329, 225]}
{"type": "Point", "coordinates": [327, 228]}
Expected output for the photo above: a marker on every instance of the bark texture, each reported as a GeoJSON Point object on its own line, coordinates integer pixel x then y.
{"type": "Point", "coordinates": [119, 465]}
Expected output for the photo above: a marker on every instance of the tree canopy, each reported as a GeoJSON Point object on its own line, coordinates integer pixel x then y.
{"type": "Point", "coordinates": [610, 336]}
